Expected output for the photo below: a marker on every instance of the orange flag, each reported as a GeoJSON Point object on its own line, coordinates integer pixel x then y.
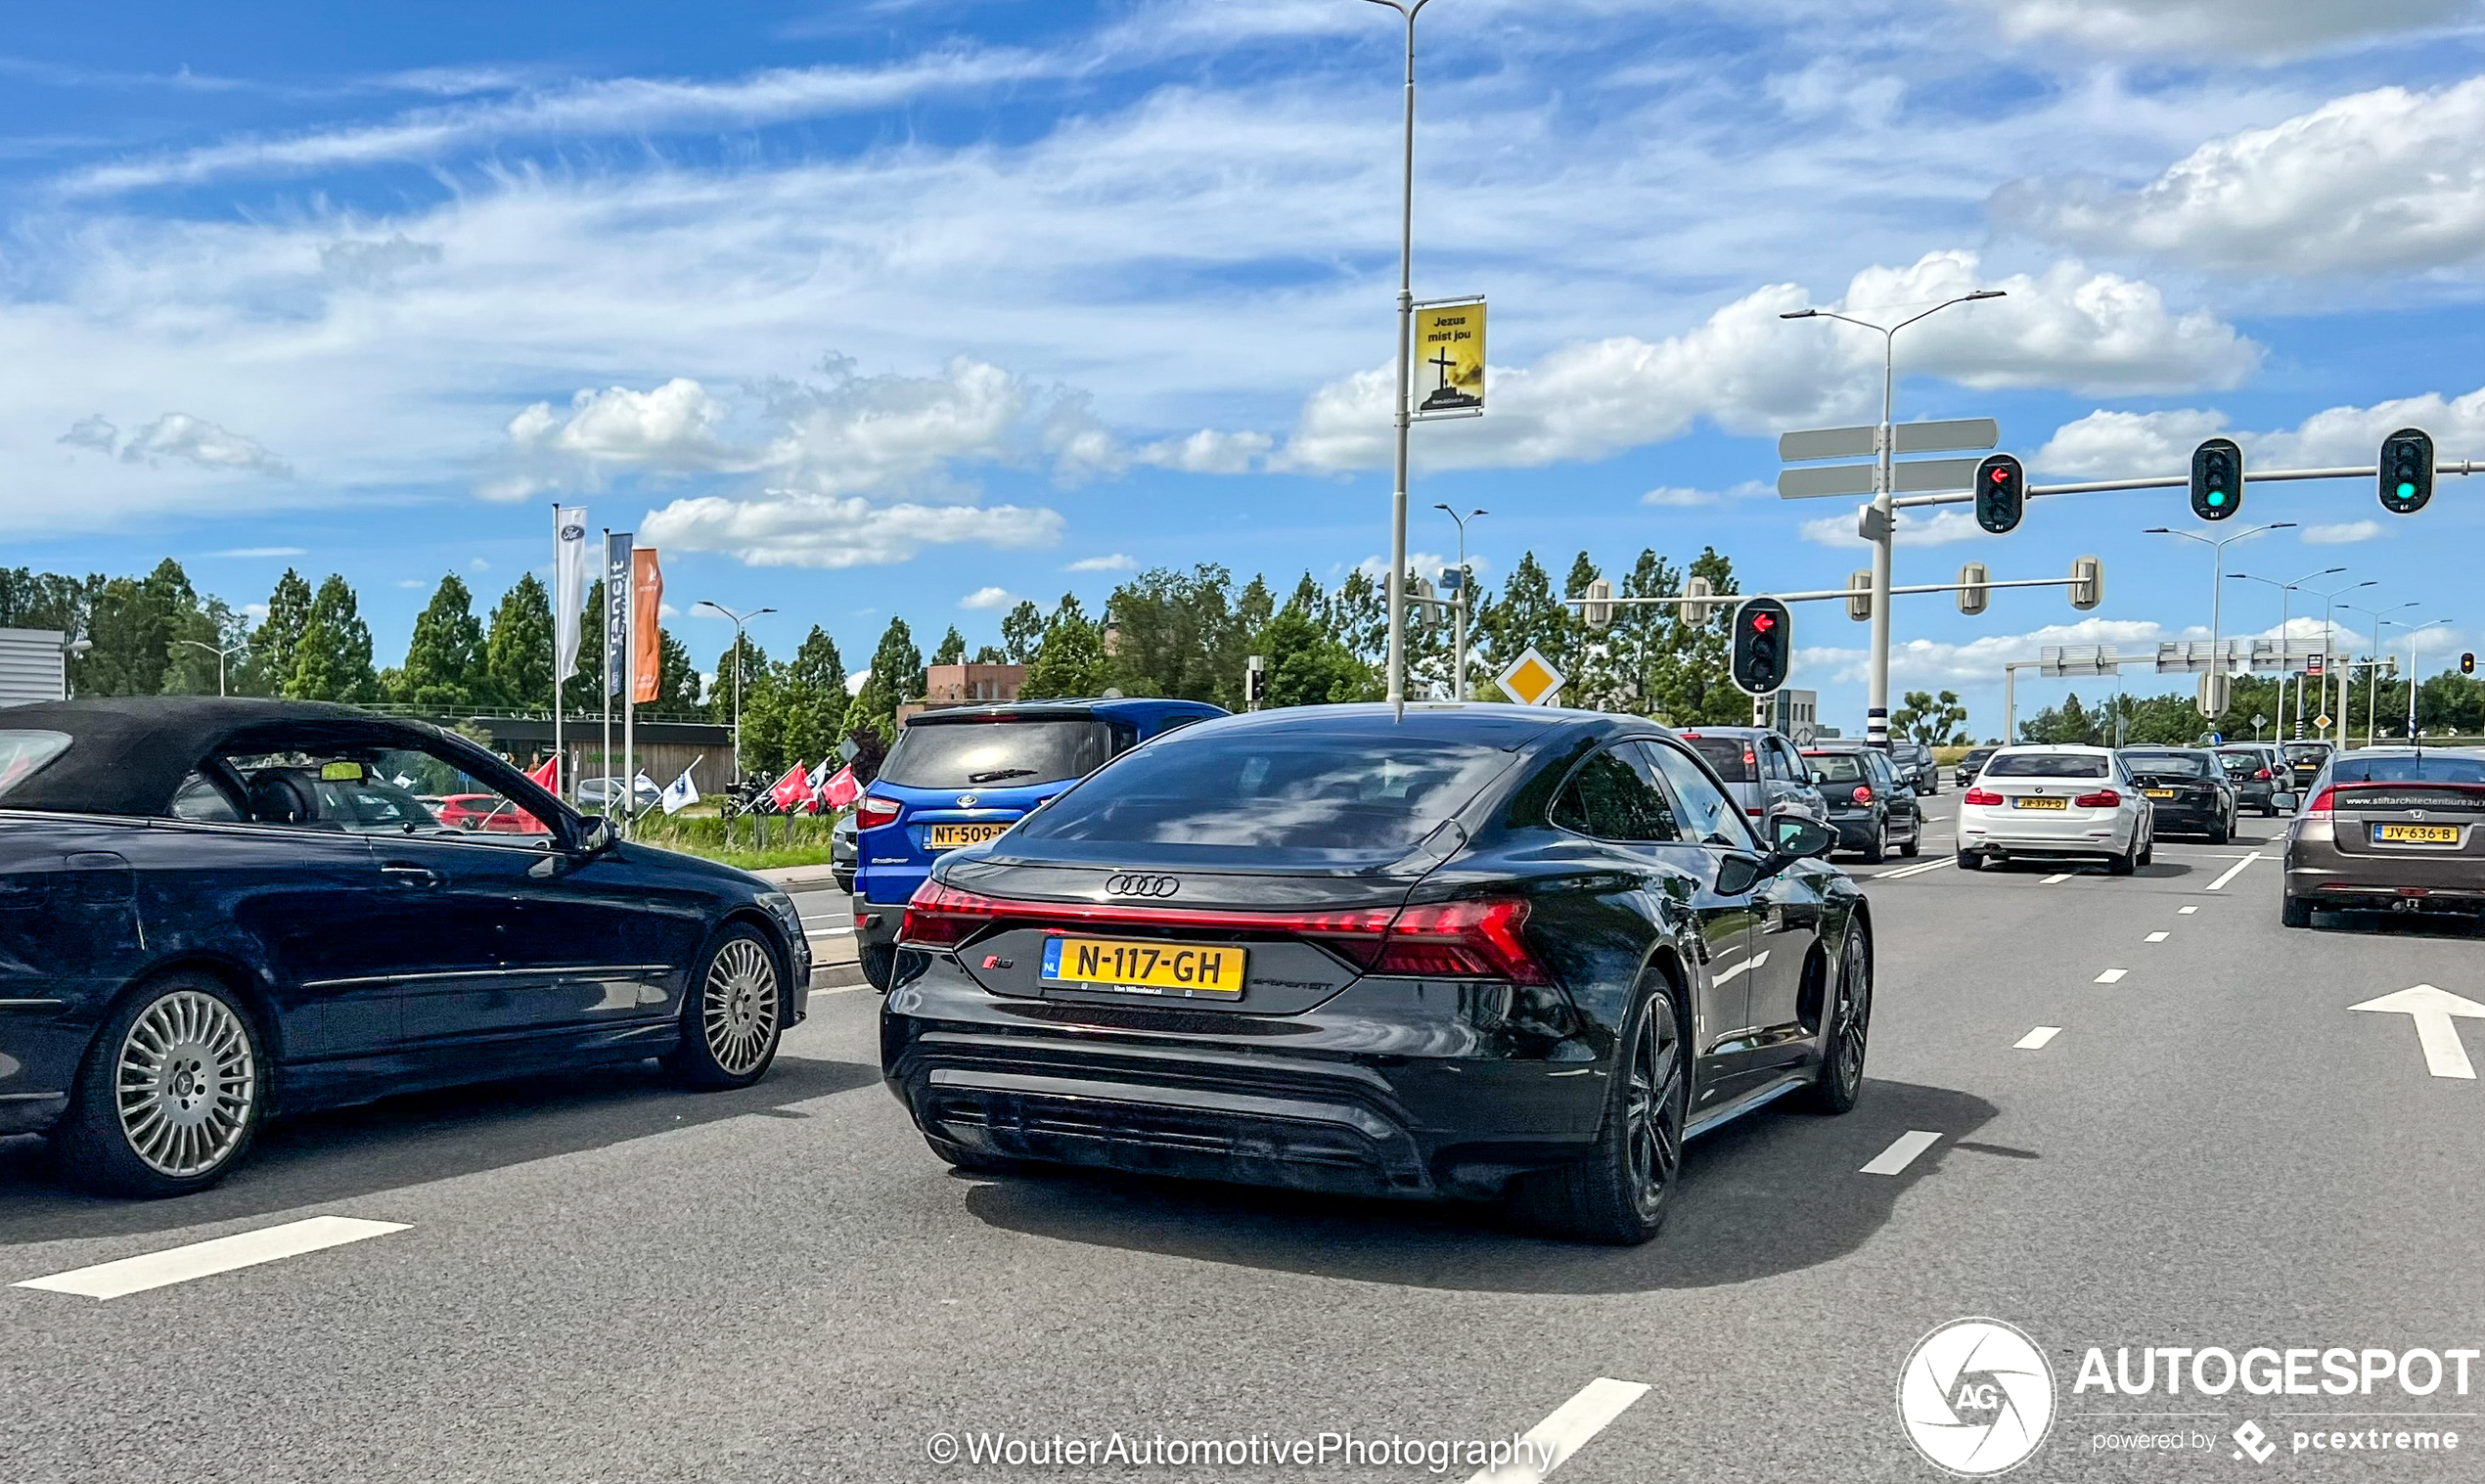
{"type": "Point", "coordinates": [646, 606]}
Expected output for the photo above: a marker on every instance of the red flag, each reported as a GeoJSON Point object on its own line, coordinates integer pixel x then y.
{"type": "Point", "coordinates": [548, 777]}
{"type": "Point", "coordinates": [840, 789]}
{"type": "Point", "coordinates": [790, 790]}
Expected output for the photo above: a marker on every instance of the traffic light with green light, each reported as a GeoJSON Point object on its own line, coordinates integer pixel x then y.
{"type": "Point", "coordinates": [1764, 640]}
{"type": "Point", "coordinates": [2217, 479]}
{"type": "Point", "coordinates": [2002, 494]}
{"type": "Point", "coordinates": [2406, 471]}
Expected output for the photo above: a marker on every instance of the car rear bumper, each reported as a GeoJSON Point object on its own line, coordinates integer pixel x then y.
{"type": "Point", "coordinates": [2003, 831]}
{"type": "Point", "coordinates": [1461, 1100]}
{"type": "Point", "coordinates": [2187, 818]}
{"type": "Point", "coordinates": [1856, 831]}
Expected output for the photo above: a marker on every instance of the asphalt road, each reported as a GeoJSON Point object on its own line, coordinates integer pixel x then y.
{"type": "Point", "coordinates": [605, 1279]}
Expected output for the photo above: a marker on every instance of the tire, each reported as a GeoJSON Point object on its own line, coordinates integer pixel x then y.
{"type": "Point", "coordinates": [2295, 912]}
{"type": "Point", "coordinates": [1968, 860]}
{"type": "Point", "coordinates": [880, 966]}
{"type": "Point", "coordinates": [1845, 1028]}
{"type": "Point", "coordinates": [2124, 864]}
{"type": "Point", "coordinates": [733, 1016]}
{"type": "Point", "coordinates": [170, 1093]}
{"type": "Point", "coordinates": [1617, 1195]}
{"type": "Point", "coordinates": [1877, 851]}
{"type": "Point", "coordinates": [2149, 853]}
{"type": "Point", "coordinates": [2223, 831]}
{"type": "Point", "coordinates": [1915, 845]}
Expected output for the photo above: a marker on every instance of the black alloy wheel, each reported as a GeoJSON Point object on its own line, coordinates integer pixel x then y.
{"type": "Point", "coordinates": [1849, 1026]}
{"type": "Point", "coordinates": [1618, 1194]}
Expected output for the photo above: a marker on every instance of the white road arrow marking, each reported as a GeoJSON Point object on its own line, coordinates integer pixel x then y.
{"type": "Point", "coordinates": [2431, 1010]}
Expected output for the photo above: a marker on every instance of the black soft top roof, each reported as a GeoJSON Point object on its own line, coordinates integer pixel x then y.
{"type": "Point", "coordinates": [130, 754]}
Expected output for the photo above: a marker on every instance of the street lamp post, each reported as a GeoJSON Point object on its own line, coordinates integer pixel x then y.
{"type": "Point", "coordinates": [1884, 512]}
{"type": "Point", "coordinates": [2415, 677]}
{"type": "Point", "coordinates": [739, 620]}
{"type": "Point", "coordinates": [2372, 671]}
{"type": "Point", "coordinates": [1466, 580]}
{"type": "Point", "coordinates": [2286, 616]}
{"type": "Point", "coordinates": [2328, 608]}
{"type": "Point", "coordinates": [1406, 375]}
{"type": "Point", "coordinates": [221, 655]}
{"type": "Point", "coordinates": [2217, 598]}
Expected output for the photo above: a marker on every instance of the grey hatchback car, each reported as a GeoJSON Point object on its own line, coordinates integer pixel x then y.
{"type": "Point", "coordinates": [2390, 829]}
{"type": "Point", "coordinates": [1761, 769]}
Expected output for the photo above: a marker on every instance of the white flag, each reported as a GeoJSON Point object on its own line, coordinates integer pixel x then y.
{"type": "Point", "coordinates": [681, 792]}
{"type": "Point", "coordinates": [568, 584]}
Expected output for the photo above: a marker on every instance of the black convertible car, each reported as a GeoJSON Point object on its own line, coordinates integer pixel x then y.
{"type": "Point", "coordinates": [211, 910]}
{"type": "Point", "coordinates": [1487, 951]}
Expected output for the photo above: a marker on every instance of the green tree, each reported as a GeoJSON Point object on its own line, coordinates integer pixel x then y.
{"type": "Point", "coordinates": [991, 653]}
{"type": "Point", "coordinates": [583, 693]}
{"type": "Point", "coordinates": [1308, 667]}
{"type": "Point", "coordinates": [133, 625]}
{"type": "Point", "coordinates": [1692, 683]}
{"type": "Point", "coordinates": [331, 661]}
{"type": "Point", "coordinates": [444, 668]}
{"type": "Point", "coordinates": [1936, 722]}
{"type": "Point", "coordinates": [192, 671]}
{"type": "Point", "coordinates": [896, 677]}
{"type": "Point", "coordinates": [1072, 659]}
{"type": "Point", "coordinates": [279, 638]}
{"type": "Point", "coordinates": [518, 653]}
{"type": "Point", "coordinates": [1171, 632]}
{"type": "Point", "coordinates": [752, 661]}
{"type": "Point", "coordinates": [953, 648]}
{"type": "Point", "coordinates": [1022, 632]}
{"type": "Point", "coordinates": [677, 680]}
{"type": "Point", "coordinates": [815, 701]}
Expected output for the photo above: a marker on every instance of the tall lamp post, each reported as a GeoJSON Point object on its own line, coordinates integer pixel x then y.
{"type": "Point", "coordinates": [2217, 600]}
{"type": "Point", "coordinates": [2415, 677]}
{"type": "Point", "coordinates": [2372, 672]}
{"type": "Point", "coordinates": [739, 620]}
{"type": "Point", "coordinates": [1406, 377]}
{"type": "Point", "coordinates": [221, 655]}
{"type": "Point", "coordinates": [2328, 610]}
{"type": "Point", "coordinates": [1885, 515]}
{"type": "Point", "coordinates": [2286, 616]}
{"type": "Point", "coordinates": [1466, 580]}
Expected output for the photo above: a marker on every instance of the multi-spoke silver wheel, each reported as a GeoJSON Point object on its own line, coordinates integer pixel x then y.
{"type": "Point", "coordinates": [186, 1084]}
{"type": "Point", "coordinates": [738, 1012]}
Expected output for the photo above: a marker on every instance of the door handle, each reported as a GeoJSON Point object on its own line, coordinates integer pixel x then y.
{"type": "Point", "coordinates": [412, 877]}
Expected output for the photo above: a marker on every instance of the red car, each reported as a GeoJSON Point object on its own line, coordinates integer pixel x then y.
{"type": "Point", "coordinates": [487, 811]}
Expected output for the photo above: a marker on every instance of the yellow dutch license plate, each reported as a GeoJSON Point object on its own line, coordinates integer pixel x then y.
{"type": "Point", "coordinates": [2158, 792]}
{"type": "Point", "coordinates": [2039, 803]}
{"type": "Point", "coordinates": [2417, 835]}
{"type": "Point", "coordinates": [951, 837]}
{"type": "Point", "coordinates": [1177, 970]}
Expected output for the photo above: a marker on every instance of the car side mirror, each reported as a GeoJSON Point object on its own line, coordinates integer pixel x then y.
{"type": "Point", "coordinates": [595, 835]}
{"type": "Point", "coordinates": [1793, 837]}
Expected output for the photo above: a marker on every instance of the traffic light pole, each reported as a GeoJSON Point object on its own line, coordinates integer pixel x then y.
{"type": "Point", "coordinates": [2252, 476]}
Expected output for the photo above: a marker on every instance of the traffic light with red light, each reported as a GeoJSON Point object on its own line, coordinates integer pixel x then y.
{"type": "Point", "coordinates": [2217, 479]}
{"type": "Point", "coordinates": [2002, 494]}
{"type": "Point", "coordinates": [1764, 645]}
{"type": "Point", "coordinates": [2406, 471]}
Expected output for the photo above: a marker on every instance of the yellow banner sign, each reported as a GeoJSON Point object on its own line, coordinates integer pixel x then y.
{"type": "Point", "coordinates": [1448, 357]}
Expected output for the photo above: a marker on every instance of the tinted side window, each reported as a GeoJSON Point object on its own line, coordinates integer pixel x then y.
{"type": "Point", "coordinates": [1611, 800]}
{"type": "Point", "coordinates": [1708, 815]}
{"type": "Point", "coordinates": [199, 799]}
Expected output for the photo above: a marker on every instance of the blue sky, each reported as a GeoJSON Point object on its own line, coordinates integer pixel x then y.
{"type": "Point", "coordinates": [875, 308]}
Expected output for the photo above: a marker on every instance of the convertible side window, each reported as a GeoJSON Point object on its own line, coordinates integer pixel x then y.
{"type": "Point", "coordinates": [198, 799]}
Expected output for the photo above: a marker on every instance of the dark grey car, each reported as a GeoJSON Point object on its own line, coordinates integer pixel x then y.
{"type": "Point", "coordinates": [1761, 770]}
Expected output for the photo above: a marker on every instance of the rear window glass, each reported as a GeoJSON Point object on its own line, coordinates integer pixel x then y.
{"type": "Point", "coordinates": [2046, 765]}
{"type": "Point", "coordinates": [2306, 753]}
{"type": "Point", "coordinates": [24, 753]}
{"type": "Point", "coordinates": [996, 754]}
{"type": "Point", "coordinates": [2431, 768]}
{"type": "Point", "coordinates": [1837, 767]}
{"type": "Point", "coordinates": [1732, 757]}
{"type": "Point", "coordinates": [1328, 798]}
{"type": "Point", "coordinates": [2168, 764]}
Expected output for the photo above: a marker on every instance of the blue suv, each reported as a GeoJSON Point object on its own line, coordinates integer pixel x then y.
{"type": "Point", "coordinates": [961, 776]}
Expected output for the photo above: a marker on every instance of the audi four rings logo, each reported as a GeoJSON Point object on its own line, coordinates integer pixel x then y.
{"type": "Point", "coordinates": [1141, 885]}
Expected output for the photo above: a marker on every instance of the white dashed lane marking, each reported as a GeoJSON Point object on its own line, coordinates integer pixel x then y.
{"type": "Point", "coordinates": [2035, 1040]}
{"type": "Point", "coordinates": [1902, 1152]}
{"type": "Point", "coordinates": [2159, 938]}
{"type": "Point", "coordinates": [2186, 910]}
{"type": "Point", "coordinates": [2112, 976]}
{"type": "Point", "coordinates": [2056, 879]}
{"type": "Point", "coordinates": [1551, 1442]}
{"type": "Point", "coordinates": [206, 1259]}
{"type": "Point", "coordinates": [2232, 872]}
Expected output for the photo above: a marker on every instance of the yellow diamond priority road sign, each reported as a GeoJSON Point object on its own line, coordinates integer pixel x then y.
{"type": "Point", "coordinates": [1531, 680]}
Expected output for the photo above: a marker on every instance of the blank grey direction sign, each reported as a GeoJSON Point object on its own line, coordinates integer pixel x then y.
{"type": "Point", "coordinates": [1927, 474]}
{"type": "Point", "coordinates": [1825, 480]}
{"type": "Point", "coordinates": [1946, 437]}
{"type": "Point", "coordinates": [1827, 443]}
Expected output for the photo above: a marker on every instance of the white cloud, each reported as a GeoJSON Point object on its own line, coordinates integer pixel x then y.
{"type": "Point", "coordinates": [1748, 371]}
{"type": "Point", "coordinates": [2367, 184]}
{"type": "Point", "coordinates": [671, 427]}
{"type": "Point", "coordinates": [478, 565]}
{"type": "Point", "coordinates": [1116, 562]}
{"type": "Point", "coordinates": [2134, 445]}
{"type": "Point", "coordinates": [413, 584]}
{"type": "Point", "coordinates": [96, 433]}
{"type": "Point", "coordinates": [2252, 27]}
{"type": "Point", "coordinates": [1678, 496]}
{"type": "Point", "coordinates": [855, 681]}
{"type": "Point", "coordinates": [1208, 452]}
{"type": "Point", "coordinates": [800, 528]}
{"type": "Point", "coordinates": [985, 599]}
{"type": "Point", "coordinates": [2344, 533]}
{"type": "Point", "coordinates": [1941, 528]}
{"type": "Point", "coordinates": [195, 440]}
{"type": "Point", "coordinates": [1924, 661]}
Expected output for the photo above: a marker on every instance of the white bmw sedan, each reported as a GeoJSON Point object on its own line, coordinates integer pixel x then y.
{"type": "Point", "coordinates": [2047, 802]}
